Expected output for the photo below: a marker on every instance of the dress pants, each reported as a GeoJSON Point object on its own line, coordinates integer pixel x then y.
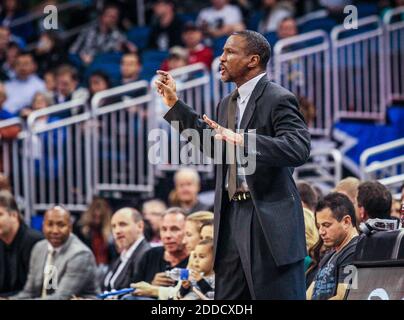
{"type": "Point", "coordinates": [245, 268]}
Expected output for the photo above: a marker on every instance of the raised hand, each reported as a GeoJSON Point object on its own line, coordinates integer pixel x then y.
{"type": "Point", "coordinates": [166, 88]}
{"type": "Point", "coordinates": [224, 133]}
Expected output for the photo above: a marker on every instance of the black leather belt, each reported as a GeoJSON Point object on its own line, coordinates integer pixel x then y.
{"type": "Point", "coordinates": [241, 196]}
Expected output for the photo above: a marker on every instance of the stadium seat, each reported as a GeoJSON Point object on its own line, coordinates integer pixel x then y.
{"type": "Point", "coordinates": [108, 63]}
{"type": "Point", "coordinates": [151, 62]}
{"type": "Point", "coordinates": [139, 36]}
{"type": "Point", "coordinates": [218, 45]}
{"type": "Point", "coordinates": [325, 24]}
{"type": "Point", "coordinates": [188, 17]}
{"type": "Point", "coordinates": [271, 37]}
{"type": "Point", "coordinates": [254, 20]}
{"type": "Point", "coordinates": [367, 9]}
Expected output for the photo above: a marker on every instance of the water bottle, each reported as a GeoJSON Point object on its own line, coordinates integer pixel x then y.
{"type": "Point", "coordinates": [178, 274]}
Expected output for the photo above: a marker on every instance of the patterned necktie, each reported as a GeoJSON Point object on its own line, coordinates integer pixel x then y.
{"type": "Point", "coordinates": [48, 272]}
{"type": "Point", "coordinates": [232, 111]}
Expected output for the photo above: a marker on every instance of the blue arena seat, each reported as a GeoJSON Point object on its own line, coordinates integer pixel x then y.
{"type": "Point", "coordinates": [151, 62]}
{"type": "Point", "coordinates": [325, 24]}
{"type": "Point", "coordinates": [139, 36]}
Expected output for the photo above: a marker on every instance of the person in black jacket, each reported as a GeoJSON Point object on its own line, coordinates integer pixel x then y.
{"type": "Point", "coordinates": [127, 228]}
{"type": "Point", "coordinates": [16, 243]}
{"type": "Point", "coordinates": [259, 225]}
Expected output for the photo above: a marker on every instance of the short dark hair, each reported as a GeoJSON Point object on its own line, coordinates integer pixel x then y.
{"type": "Point", "coordinates": [256, 44]}
{"type": "Point", "coordinates": [340, 206]}
{"type": "Point", "coordinates": [7, 201]}
{"type": "Point", "coordinates": [102, 75]}
{"type": "Point", "coordinates": [307, 194]}
{"type": "Point", "coordinates": [375, 198]}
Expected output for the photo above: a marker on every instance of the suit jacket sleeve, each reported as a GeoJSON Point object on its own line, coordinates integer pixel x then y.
{"type": "Point", "coordinates": [79, 270]}
{"type": "Point", "coordinates": [189, 119]}
{"type": "Point", "coordinates": [290, 147]}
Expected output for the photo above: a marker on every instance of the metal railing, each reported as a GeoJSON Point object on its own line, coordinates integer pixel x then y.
{"type": "Point", "coordinates": [382, 169]}
{"type": "Point", "coordinates": [323, 166]}
{"type": "Point", "coordinates": [121, 120]}
{"type": "Point", "coordinates": [394, 43]}
{"type": "Point", "coordinates": [12, 165]}
{"type": "Point", "coordinates": [57, 161]}
{"type": "Point", "coordinates": [358, 63]}
{"type": "Point", "coordinates": [389, 172]}
{"type": "Point", "coordinates": [305, 70]}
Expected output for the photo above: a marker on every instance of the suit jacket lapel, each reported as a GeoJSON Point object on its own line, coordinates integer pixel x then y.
{"type": "Point", "coordinates": [249, 110]}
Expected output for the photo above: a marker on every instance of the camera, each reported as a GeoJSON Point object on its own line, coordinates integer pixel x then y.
{"type": "Point", "coordinates": [375, 225]}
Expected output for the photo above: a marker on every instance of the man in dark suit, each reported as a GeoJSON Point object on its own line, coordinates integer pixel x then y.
{"type": "Point", "coordinates": [127, 229]}
{"type": "Point", "coordinates": [259, 226]}
{"type": "Point", "coordinates": [16, 243]}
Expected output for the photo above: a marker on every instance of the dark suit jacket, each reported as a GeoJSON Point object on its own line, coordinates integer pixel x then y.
{"type": "Point", "coordinates": [282, 142]}
{"type": "Point", "coordinates": [20, 253]}
{"type": "Point", "coordinates": [124, 278]}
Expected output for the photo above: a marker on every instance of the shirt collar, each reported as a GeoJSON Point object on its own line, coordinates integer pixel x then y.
{"type": "Point", "coordinates": [247, 88]}
{"type": "Point", "coordinates": [125, 255]}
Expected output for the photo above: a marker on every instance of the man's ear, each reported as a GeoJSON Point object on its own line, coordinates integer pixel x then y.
{"type": "Point", "coordinates": [347, 220]}
{"type": "Point", "coordinates": [254, 61]}
{"type": "Point", "coordinates": [362, 213]}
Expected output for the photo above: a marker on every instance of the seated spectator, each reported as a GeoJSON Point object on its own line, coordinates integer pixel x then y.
{"type": "Point", "coordinates": [101, 37]}
{"type": "Point", "coordinates": [130, 68]}
{"type": "Point", "coordinates": [165, 26]}
{"type": "Point", "coordinates": [185, 195]}
{"type": "Point", "coordinates": [153, 211]}
{"type": "Point", "coordinates": [374, 201]}
{"type": "Point", "coordinates": [207, 231]}
{"type": "Point", "coordinates": [192, 37]}
{"type": "Point", "coordinates": [22, 89]}
{"type": "Point", "coordinates": [193, 228]}
{"type": "Point", "coordinates": [191, 239]}
{"type": "Point", "coordinates": [75, 263]}
{"type": "Point", "coordinates": [287, 28]}
{"type": "Point", "coordinates": [349, 187]}
{"type": "Point", "coordinates": [127, 228]}
{"type": "Point", "coordinates": [49, 52]}
{"type": "Point", "coordinates": [221, 19]}
{"type": "Point", "coordinates": [275, 11]}
{"type": "Point", "coordinates": [177, 58]}
{"type": "Point", "coordinates": [97, 82]}
{"type": "Point", "coordinates": [4, 114]}
{"type": "Point", "coordinates": [5, 38]}
{"type": "Point", "coordinates": [201, 283]}
{"type": "Point", "coordinates": [40, 101]}
{"type": "Point", "coordinates": [16, 242]}
{"type": "Point", "coordinates": [67, 80]}
{"type": "Point", "coordinates": [94, 229]}
{"type": "Point", "coordinates": [50, 82]}
{"type": "Point", "coordinates": [309, 201]}
{"type": "Point", "coordinates": [12, 10]}
{"type": "Point", "coordinates": [335, 217]}
{"type": "Point", "coordinates": [172, 254]}
{"type": "Point", "coordinates": [8, 66]}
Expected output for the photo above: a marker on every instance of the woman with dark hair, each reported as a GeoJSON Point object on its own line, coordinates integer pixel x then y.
{"type": "Point", "coordinates": [94, 229]}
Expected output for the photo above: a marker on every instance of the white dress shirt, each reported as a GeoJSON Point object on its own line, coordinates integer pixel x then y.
{"type": "Point", "coordinates": [125, 256]}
